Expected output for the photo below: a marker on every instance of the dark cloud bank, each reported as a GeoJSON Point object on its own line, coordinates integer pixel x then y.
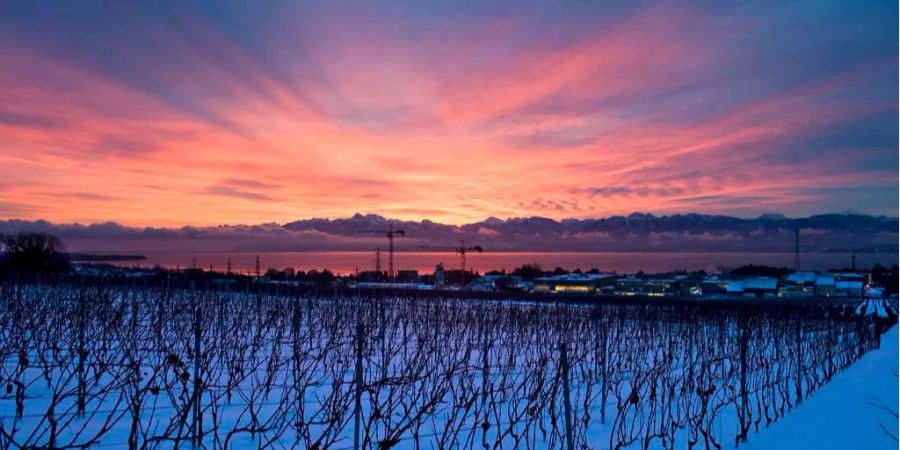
{"type": "Point", "coordinates": [636, 232]}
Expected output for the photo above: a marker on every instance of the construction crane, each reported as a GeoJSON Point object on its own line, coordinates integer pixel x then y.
{"type": "Point", "coordinates": [391, 233]}
{"type": "Point", "coordinates": [461, 251]}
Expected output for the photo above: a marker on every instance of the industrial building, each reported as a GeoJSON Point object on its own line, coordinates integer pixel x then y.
{"type": "Point", "coordinates": [806, 284]}
{"type": "Point", "coordinates": [823, 284]}
{"type": "Point", "coordinates": [591, 283]}
{"type": "Point", "coordinates": [499, 283]}
{"type": "Point", "coordinates": [753, 287]}
{"type": "Point", "coordinates": [801, 284]}
{"type": "Point", "coordinates": [648, 286]}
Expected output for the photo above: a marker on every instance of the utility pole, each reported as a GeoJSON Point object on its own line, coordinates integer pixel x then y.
{"type": "Point", "coordinates": [229, 266]}
{"type": "Point", "coordinates": [257, 266]}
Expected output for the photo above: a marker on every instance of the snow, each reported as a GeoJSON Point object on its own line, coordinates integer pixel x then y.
{"type": "Point", "coordinates": [839, 415]}
{"type": "Point", "coordinates": [882, 308]}
{"type": "Point", "coordinates": [825, 279]}
{"type": "Point", "coordinates": [802, 277]}
{"type": "Point", "coordinates": [515, 379]}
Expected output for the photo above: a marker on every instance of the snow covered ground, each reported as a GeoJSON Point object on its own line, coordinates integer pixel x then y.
{"type": "Point", "coordinates": [413, 373]}
{"type": "Point", "coordinates": [841, 414]}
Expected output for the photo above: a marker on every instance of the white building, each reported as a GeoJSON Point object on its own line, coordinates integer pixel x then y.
{"type": "Point", "coordinates": [753, 287]}
{"type": "Point", "coordinates": [823, 284]}
{"type": "Point", "coordinates": [799, 284]}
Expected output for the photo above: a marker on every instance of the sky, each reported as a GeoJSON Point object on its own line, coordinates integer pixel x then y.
{"type": "Point", "coordinates": [205, 113]}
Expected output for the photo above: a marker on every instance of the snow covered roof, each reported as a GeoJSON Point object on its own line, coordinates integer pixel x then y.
{"type": "Point", "coordinates": [757, 283]}
{"type": "Point", "coordinates": [848, 284]}
{"type": "Point", "coordinates": [825, 279]}
{"type": "Point", "coordinates": [577, 277]}
{"type": "Point", "coordinates": [766, 283]}
{"type": "Point", "coordinates": [851, 276]}
{"type": "Point", "coordinates": [801, 277]}
{"type": "Point", "coordinates": [735, 286]}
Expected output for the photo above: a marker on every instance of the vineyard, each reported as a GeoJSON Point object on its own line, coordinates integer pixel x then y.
{"type": "Point", "coordinates": [111, 366]}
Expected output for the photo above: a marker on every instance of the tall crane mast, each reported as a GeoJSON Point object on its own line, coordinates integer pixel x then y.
{"type": "Point", "coordinates": [462, 250]}
{"type": "Point", "coordinates": [391, 233]}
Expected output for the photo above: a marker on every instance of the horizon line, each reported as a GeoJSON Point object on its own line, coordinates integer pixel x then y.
{"type": "Point", "coordinates": [89, 223]}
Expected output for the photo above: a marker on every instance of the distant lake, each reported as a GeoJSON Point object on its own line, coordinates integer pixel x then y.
{"type": "Point", "coordinates": [424, 262]}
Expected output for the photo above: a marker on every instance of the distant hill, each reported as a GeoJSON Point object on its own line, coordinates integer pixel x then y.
{"type": "Point", "coordinates": [639, 232]}
{"type": "Point", "coordinates": [635, 232]}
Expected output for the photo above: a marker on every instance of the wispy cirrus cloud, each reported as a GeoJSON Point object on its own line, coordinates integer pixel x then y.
{"type": "Point", "coordinates": [228, 191]}
{"type": "Point", "coordinates": [614, 191]}
{"type": "Point", "coordinates": [251, 184]}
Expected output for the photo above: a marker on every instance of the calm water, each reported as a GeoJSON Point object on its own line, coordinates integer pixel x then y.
{"type": "Point", "coordinates": [424, 262]}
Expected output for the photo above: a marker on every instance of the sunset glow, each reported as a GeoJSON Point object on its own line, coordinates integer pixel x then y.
{"type": "Point", "coordinates": [225, 114]}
